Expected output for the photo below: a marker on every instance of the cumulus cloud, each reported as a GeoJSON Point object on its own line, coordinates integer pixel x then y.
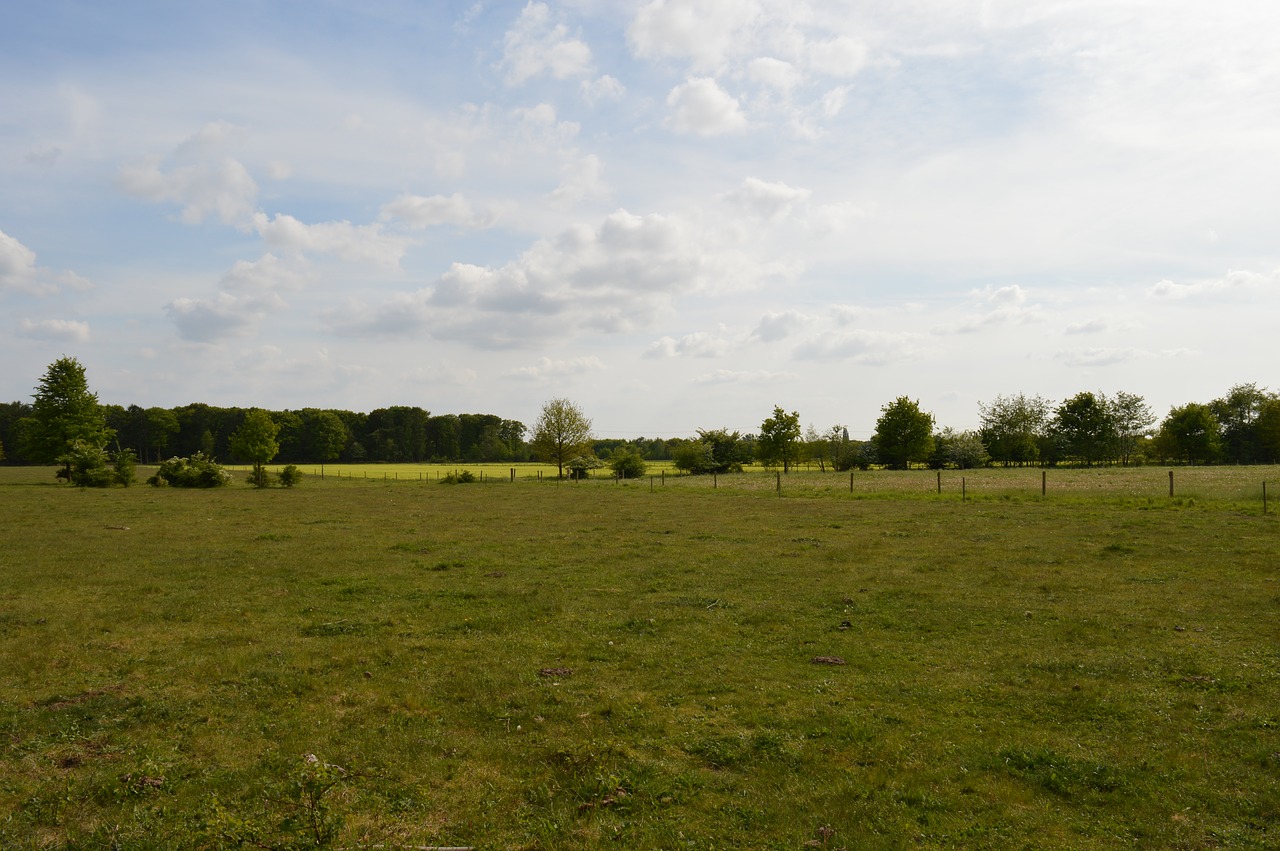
{"type": "Point", "coordinates": [1102, 356]}
{"type": "Point", "coordinates": [777, 74]}
{"type": "Point", "coordinates": [999, 305]}
{"type": "Point", "coordinates": [700, 344]}
{"type": "Point", "coordinates": [617, 276]}
{"type": "Point", "coordinates": [199, 178]}
{"type": "Point", "coordinates": [547, 368]}
{"type": "Point", "coordinates": [580, 180]}
{"type": "Point", "coordinates": [1096, 325]}
{"type": "Point", "coordinates": [19, 272]}
{"type": "Point", "coordinates": [226, 315]}
{"type": "Point", "coordinates": [860, 346]}
{"type": "Point", "coordinates": [1235, 281]}
{"type": "Point", "coordinates": [701, 107]}
{"type": "Point", "coordinates": [601, 89]}
{"type": "Point", "coordinates": [354, 243]}
{"type": "Point", "coordinates": [767, 200]}
{"type": "Point", "coordinates": [535, 45]}
{"type": "Point", "coordinates": [778, 326]}
{"type": "Point", "coordinates": [264, 274]}
{"type": "Point", "coordinates": [837, 57]}
{"type": "Point", "coordinates": [703, 31]}
{"type": "Point", "coordinates": [55, 329]}
{"type": "Point", "coordinates": [421, 212]}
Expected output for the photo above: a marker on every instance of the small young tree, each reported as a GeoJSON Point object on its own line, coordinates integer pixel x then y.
{"type": "Point", "coordinates": [255, 441]}
{"type": "Point", "coordinates": [561, 434]}
{"type": "Point", "coordinates": [779, 441]}
{"type": "Point", "coordinates": [904, 434]}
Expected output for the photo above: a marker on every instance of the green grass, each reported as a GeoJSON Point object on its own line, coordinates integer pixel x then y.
{"type": "Point", "coordinates": [558, 665]}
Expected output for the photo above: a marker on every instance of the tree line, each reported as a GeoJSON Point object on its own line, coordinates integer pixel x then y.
{"type": "Point", "coordinates": [1089, 428]}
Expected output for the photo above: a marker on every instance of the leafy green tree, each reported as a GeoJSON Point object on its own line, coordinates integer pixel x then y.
{"type": "Point", "coordinates": [1190, 433]}
{"type": "Point", "coordinates": [255, 441]}
{"type": "Point", "coordinates": [562, 433]}
{"type": "Point", "coordinates": [1, 451]}
{"type": "Point", "coordinates": [715, 451]}
{"type": "Point", "coordinates": [904, 434]}
{"type": "Point", "coordinates": [1083, 428]}
{"type": "Point", "coordinates": [1267, 429]}
{"type": "Point", "coordinates": [1132, 419]}
{"type": "Point", "coordinates": [1237, 412]}
{"type": "Point", "coordinates": [85, 465]}
{"type": "Point", "coordinates": [326, 436]}
{"type": "Point", "coordinates": [1013, 428]}
{"type": "Point", "coordinates": [64, 412]}
{"type": "Point", "coordinates": [960, 449]}
{"type": "Point", "coordinates": [779, 441]}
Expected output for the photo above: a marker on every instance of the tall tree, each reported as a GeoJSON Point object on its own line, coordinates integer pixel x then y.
{"type": "Point", "coordinates": [326, 436]}
{"type": "Point", "coordinates": [1132, 419]}
{"type": "Point", "coordinates": [904, 433]}
{"type": "Point", "coordinates": [1190, 433]}
{"type": "Point", "coordinates": [1013, 428]}
{"type": "Point", "coordinates": [561, 434]}
{"type": "Point", "coordinates": [255, 441]}
{"type": "Point", "coordinates": [1083, 428]}
{"type": "Point", "coordinates": [64, 412]}
{"type": "Point", "coordinates": [779, 441]}
{"type": "Point", "coordinates": [1237, 412]}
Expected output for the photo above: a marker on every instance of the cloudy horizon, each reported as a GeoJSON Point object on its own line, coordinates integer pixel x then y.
{"type": "Point", "coordinates": [677, 214]}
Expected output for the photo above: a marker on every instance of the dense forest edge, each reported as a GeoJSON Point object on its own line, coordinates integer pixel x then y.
{"type": "Point", "coordinates": [1087, 429]}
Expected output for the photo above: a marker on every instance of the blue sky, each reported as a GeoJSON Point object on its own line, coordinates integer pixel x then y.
{"type": "Point", "coordinates": [676, 213]}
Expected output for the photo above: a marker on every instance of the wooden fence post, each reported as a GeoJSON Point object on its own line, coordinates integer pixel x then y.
{"type": "Point", "coordinates": [1044, 482]}
{"type": "Point", "coordinates": [1171, 483]}
{"type": "Point", "coordinates": [939, 481]}
{"type": "Point", "coordinates": [779, 475]}
{"type": "Point", "coordinates": [964, 494]}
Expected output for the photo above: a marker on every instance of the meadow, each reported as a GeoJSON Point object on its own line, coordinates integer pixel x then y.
{"type": "Point", "coordinates": [854, 662]}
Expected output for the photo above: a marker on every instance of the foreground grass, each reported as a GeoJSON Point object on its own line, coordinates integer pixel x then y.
{"type": "Point", "coordinates": [572, 666]}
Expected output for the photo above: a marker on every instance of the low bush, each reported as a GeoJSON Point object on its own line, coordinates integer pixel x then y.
{"type": "Point", "coordinates": [198, 471]}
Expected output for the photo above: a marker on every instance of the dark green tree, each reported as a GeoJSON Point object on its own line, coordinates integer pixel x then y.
{"type": "Point", "coordinates": [715, 451]}
{"type": "Point", "coordinates": [1013, 428]}
{"type": "Point", "coordinates": [627, 463]}
{"type": "Point", "coordinates": [1132, 419]}
{"type": "Point", "coordinates": [1237, 412]}
{"type": "Point", "coordinates": [64, 412]}
{"type": "Point", "coordinates": [326, 436]}
{"type": "Point", "coordinates": [561, 434]}
{"type": "Point", "coordinates": [1083, 429]}
{"type": "Point", "coordinates": [779, 441]}
{"type": "Point", "coordinates": [1190, 433]}
{"type": "Point", "coordinates": [904, 434]}
{"type": "Point", "coordinates": [255, 441]}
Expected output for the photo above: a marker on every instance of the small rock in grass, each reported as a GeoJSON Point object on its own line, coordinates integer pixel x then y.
{"type": "Point", "coordinates": [555, 672]}
{"type": "Point", "coordinates": [827, 660]}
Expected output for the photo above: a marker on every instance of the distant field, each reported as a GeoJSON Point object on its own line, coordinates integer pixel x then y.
{"type": "Point", "coordinates": [667, 663]}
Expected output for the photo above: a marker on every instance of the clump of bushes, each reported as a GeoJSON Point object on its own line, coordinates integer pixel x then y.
{"type": "Point", "coordinates": [290, 476]}
{"type": "Point", "coordinates": [198, 471]}
{"type": "Point", "coordinates": [627, 463]}
{"type": "Point", "coordinates": [466, 477]}
{"type": "Point", "coordinates": [85, 465]}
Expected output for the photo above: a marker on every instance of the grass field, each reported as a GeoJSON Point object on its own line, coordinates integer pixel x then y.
{"type": "Point", "coordinates": [644, 664]}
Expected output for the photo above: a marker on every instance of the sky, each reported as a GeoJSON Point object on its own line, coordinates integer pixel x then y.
{"type": "Point", "coordinates": [675, 213]}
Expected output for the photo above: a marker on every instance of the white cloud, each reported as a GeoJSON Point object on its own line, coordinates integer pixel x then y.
{"type": "Point", "coordinates": [1002, 305]}
{"type": "Point", "coordinates": [837, 57]}
{"type": "Point", "coordinates": [202, 180]}
{"type": "Point", "coordinates": [776, 326]}
{"type": "Point", "coordinates": [445, 372]}
{"type": "Point", "coordinates": [17, 264]}
{"type": "Point", "coordinates": [19, 272]}
{"type": "Point", "coordinates": [775, 73]}
{"type": "Point", "coordinates": [580, 180]}
{"type": "Point", "coordinates": [55, 329]}
{"type": "Point", "coordinates": [354, 243]}
{"type": "Point", "coordinates": [604, 88]}
{"type": "Point", "coordinates": [546, 368]}
{"type": "Point", "coordinates": [1235, 281]}
{"type": "Point", "coordinates": [422, 212]}
{"type": "Point", "coordinates": [701, 107]}
{"type": "Point", "coordinates": [767, 200]}
{"type": "Point", "coordinates": [704, 31]}
{"type": "Point", "coordinates": [1097, 325]}
{"type": "Point", "coordinates": [266, 273]}
{"type": "Point", "coordinates": [535, 46]}
{"type": "Point", "coordinates": [860, 346]}
{"type": "Point", "coordinates": [227, 315]}
{"type": "Point", "coordinates": [700, 344]}
{"type": "Point", "coordinates": [1103, 356]}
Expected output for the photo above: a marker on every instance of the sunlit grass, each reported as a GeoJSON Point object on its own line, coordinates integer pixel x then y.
{"type": "Point", "coordinates": [559, 665]}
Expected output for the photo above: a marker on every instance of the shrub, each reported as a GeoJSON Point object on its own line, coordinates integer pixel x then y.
{"type": "Point", "coordinates": [260, 478]}
{"type": "Point", "coordinates": [290, 476]}
{"type": "Point", "coordinates": [466, 477]}
{"type": "Point", "coordinates": [125, 464]}
{"type": "Point", "coordinates": [198, 471]}
{"type": "Point", "coordinates": [86, 465]}
{"type": "Point", "coordinates": [626, 463]}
